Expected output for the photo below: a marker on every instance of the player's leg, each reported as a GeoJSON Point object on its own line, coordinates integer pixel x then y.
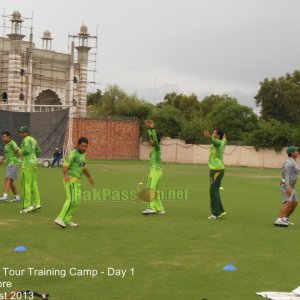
{"type": "Point", "coordinates": [149, 210]}
{"type": "Point", "coordinates": [75, 203]}
{"type": "Point", "coordinates": [26, 182]}
{"type": "Point", "coordinates": [4, 197]}
{"type": "Point", "coordinates": [15, 191]}
{"type": "Point", "coordinates": [69, 200]}
{"type": "Point", "coordinates": [13, 178]}
{"type": "Point", "coordinates": [290, 207]}
{"type": "Point", "coordinates": [148, 184]}
{"type": "Point", "coordinates": [7, 183]}
{"type": "Point", "coordinates": [294, 205]}
{"type": "Point", "coordinates": [215, 199]}
{"type": "Point", "coordinates": [156, 177]}
{"type": "Point", "coordinates": [294, 202]}
{"type": "Point", "coordinates": [218, 185]}
{"type": "Point", "coordinates": [36, 200]}
{"type": "Point", "coordinates": [73, 193]}
{"type": "Point", "coordinates": [285, 210]}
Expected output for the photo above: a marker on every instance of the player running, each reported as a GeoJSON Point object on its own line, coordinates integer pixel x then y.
{"type": "Point", "coordinates": [74, 167]}
{"type": "Point", "coordinates": [11, 160]}
{"type": "Point", "coordinates": [154, 207]}
{"type": "Point", "coordinates": [29, 150]}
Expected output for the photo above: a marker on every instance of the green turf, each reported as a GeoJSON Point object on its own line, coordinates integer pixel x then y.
{"type": "Point", "coordinates": [177, 256]}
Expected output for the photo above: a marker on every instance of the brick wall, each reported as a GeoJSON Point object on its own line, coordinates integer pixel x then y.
{"type": "Point", "coordinates": [108, 139]}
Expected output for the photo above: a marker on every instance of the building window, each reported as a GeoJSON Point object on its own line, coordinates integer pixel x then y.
{"type": "Point", "coordinates": [4, 97]}
{"type": "Point", "coordinates": [75, 79]}
{"type": "Point", "coordinates": [74, 102]}
{"type": "Point", "coordinates": [21, 97]}
{"type": "Point", "coordinates": [22, 72]}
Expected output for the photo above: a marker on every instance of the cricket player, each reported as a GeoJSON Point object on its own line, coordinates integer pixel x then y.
{"type": "Point", "coordinates": [154, 207]}
{"type": "Point", "coordinates": [216, 173]}
{"type": "Point", "coordinates": [288, 182]}
{"type": "Point", "coordinates": [29, 151]}
{"type": "Point", "coordinates": [73, 168]}
{"type": "Point", "coordinates": [11, 160]}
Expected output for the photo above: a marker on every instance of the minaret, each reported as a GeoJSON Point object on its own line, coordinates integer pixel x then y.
{"type": "Point", "coordinates": [69, 100]}
{"type": "Point", "coordinates": [47, 40]}
{"type": "Point", "coordinates": [14, 64]}
{"type": "Point", "coordinates": [83, 51]}
{"type": "Point", "coordinates": [30, 71]}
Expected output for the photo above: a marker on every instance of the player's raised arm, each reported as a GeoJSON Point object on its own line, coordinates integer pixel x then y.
{"type": "Point", "coordinates": [152, 134]}
{"type": "Point", "coordinates": [206, 133]}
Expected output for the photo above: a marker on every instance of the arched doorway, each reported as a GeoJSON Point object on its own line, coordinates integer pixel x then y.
{"type": "Point", "coordinates": [47, 97]}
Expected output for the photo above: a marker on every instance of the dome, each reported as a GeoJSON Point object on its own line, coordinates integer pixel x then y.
{"type": "Point", "coordinates": [47, 34]}
{"type": "Point", "coordinates": [83, 30]}
{"type": "Point", "coordinates": [16, 16]}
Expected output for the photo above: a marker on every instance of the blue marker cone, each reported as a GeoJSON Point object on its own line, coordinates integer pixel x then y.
{"type": "Point", "coordinates": [229, 268]}
{"type": "Point", "coordinates": [20, 249]}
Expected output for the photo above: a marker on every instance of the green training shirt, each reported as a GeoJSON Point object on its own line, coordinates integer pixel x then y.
{"type": "Point", "coordinates": [76, 162]}
{"type": "Point", "coordinates": [216, 152]}
{"type": "Point", "coordinates": [155, 154]}
{"type": "Point", "coordinates": [29, 150]}
{"type": "Point", "coordinates": [10, 153]}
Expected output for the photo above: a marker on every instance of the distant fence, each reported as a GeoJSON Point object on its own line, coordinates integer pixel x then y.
{"type": "Point", "coordinates": [32, 108]}
{"type": "Point", "coordinates": [178, 151]}
{"type": "Point", "coordinates": [117, 118]}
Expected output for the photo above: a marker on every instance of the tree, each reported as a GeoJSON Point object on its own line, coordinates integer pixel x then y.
{"type": "Point", "coordinates": [109, 100]}
{"type": "Point", "coordinates": [272, 134]}
{"type": "Point", "coordinates": [207, 104]}
{"type": "Point", "coordinates": [188, 105]}
{"type": "Point", "coordinates": [192, 132]}
{"type": "Point", "coordinates": [168, 121]}
{"type": "Point", "coordinates": [115, 102]}
{"type": "Point", "coordinates": [279, 99]}
{"type": "Point", "coordinates": [236, 119]}
{"type": "Point", "coordinates": [131, 106]}
{"type": "Point", "coordinates": [94, 98]}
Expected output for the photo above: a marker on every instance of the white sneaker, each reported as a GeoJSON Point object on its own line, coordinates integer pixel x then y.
{"type": "Point", "coordinates": [224, 213]}
{"type": "Point", "coordinates": [3, 198]}
{"type": "Point", "coordinates": [288, 221]}
{"type": "Point", "coordinates": [161, 212]}
{"type": "Point", "coordinates": [149, 211]}
{"type": "Point", "coordinates": [36, 207]}
{"type": "Point", "coordinates": [281, 223]}
{"type": "Point", "coordinates": [212, 217]}
{"type": "Point", "coordinates": [27, 210]}
{"type": "Point", "coordinates": [15, 199]}
{"type": "Point", "coordinates": [60, 223]}
{"type": "Point", "coordinates": [72, 224]}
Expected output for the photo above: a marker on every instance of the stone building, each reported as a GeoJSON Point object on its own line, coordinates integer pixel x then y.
{"type": "Point", "coordinates": [32, 77]}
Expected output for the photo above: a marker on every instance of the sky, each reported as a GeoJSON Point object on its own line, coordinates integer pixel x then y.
{"type": "Point", "coordinates": [154, 47]}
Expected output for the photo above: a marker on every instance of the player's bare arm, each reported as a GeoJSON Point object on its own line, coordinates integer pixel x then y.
{"type": "Point", "coordinates": [149, 124]}
{"type": "Point", "coordinates": [88, 175]}
{"type": "Point", "coordinates": [206, 133]}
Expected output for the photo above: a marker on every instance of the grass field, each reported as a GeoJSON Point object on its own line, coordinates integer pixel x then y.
{"type": "Point", "coordinates": [177, 256]}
